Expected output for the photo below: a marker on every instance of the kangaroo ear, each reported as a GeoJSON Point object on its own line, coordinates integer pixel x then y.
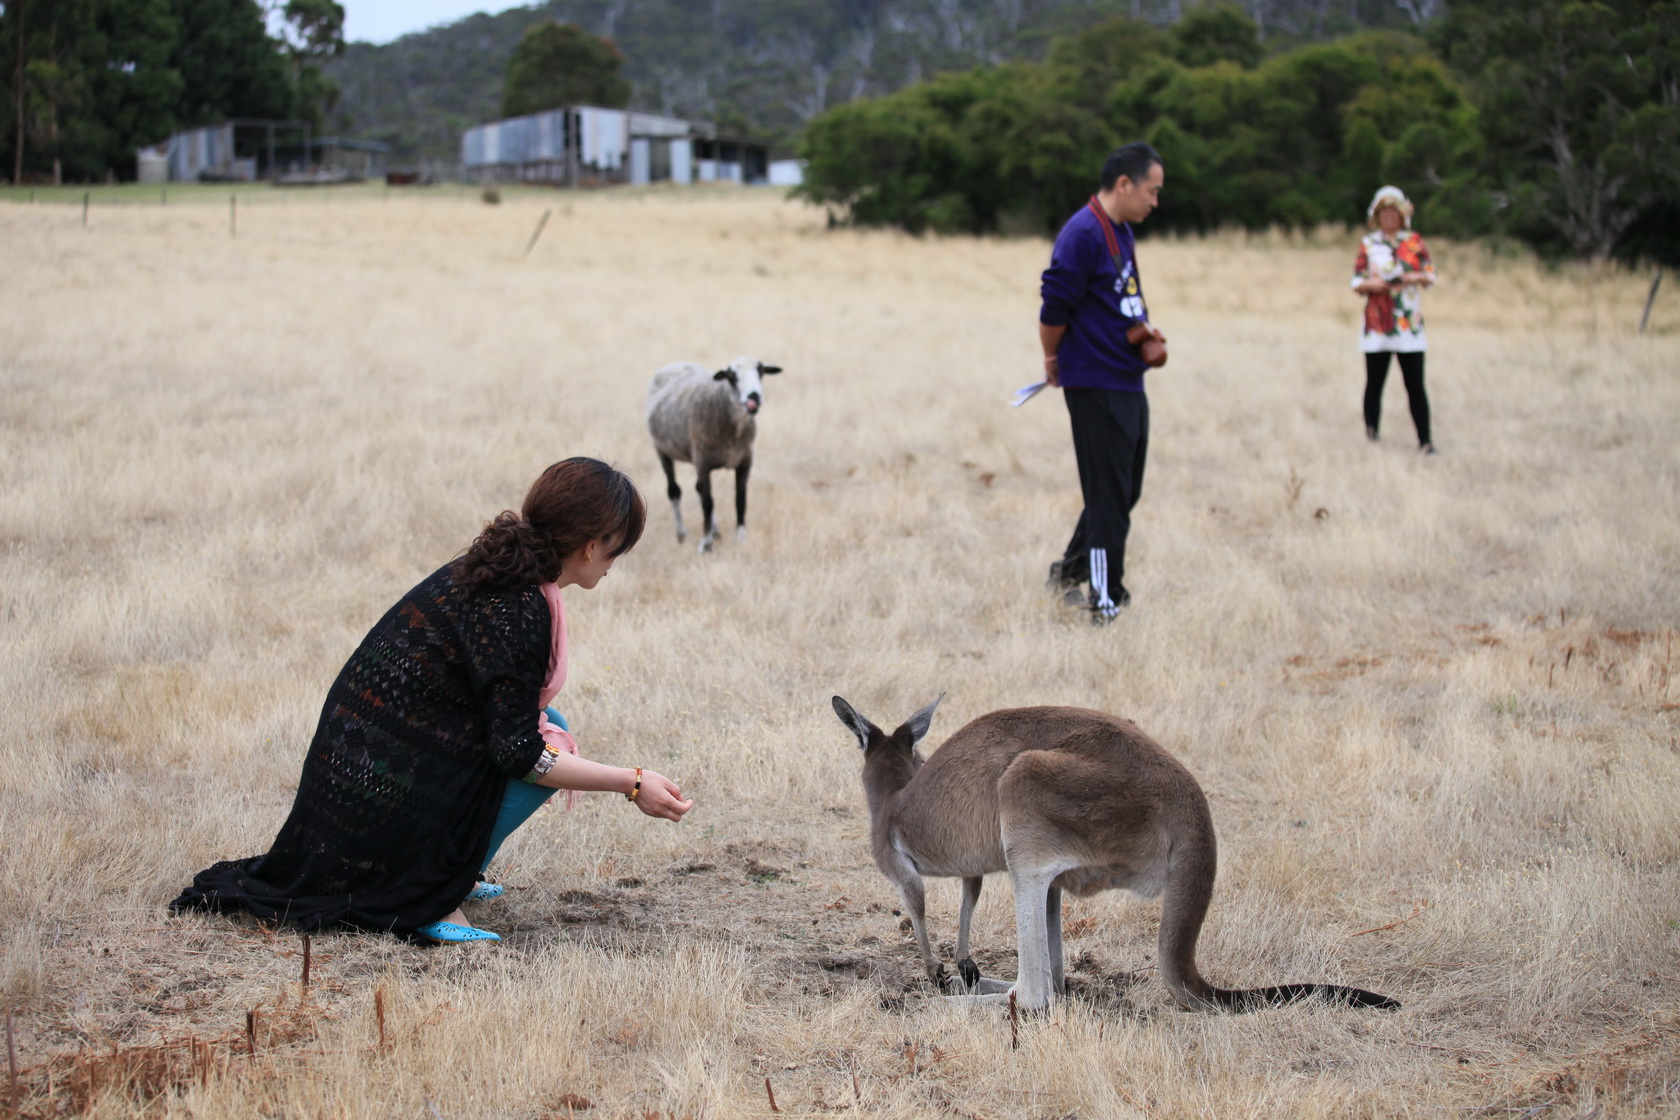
{"type": "Point", "coordinates": [919, 723]}
{"type": "Point", "coordinates": [859, 726]}
{"type": "Point", "coordinates": [762, 368]}
{"type": "Point", "coordinates": [724, 375]}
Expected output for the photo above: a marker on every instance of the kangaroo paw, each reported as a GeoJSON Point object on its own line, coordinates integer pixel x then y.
{"type": "Point", "coordinates": [1001, 993]}
{"type": "Point", "coordinates": [995, 998]}
{"type": "Point", "coordinates": [968, 983]}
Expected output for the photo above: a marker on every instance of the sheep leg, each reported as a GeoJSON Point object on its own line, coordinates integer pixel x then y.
{"type": "Point", "coordinates": [673, 492]}
{"type": "Point", "coordinates": [741, 473]}
{"type": "Point", "coordinates": [703, 486]}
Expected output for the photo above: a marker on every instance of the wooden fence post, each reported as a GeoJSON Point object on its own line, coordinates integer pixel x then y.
{"type": "Point", "coordinates": [1650, 299]}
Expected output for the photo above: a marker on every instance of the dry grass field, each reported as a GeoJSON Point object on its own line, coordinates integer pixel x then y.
{"type": "Point", "coordinates": [1432, 701]}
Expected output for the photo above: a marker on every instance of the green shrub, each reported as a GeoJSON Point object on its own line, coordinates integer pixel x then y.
{"type": "Point", "coordinates": [1299, 139]}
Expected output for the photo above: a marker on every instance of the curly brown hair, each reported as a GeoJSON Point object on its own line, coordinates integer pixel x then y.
{"type": "Point", "coordinates": [573, 502]}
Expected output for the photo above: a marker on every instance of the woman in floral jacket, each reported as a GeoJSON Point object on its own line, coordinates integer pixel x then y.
{"type": "Point", "coordinates": [1391, 270]}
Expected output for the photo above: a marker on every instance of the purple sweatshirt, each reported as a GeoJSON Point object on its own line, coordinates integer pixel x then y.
{"type": "Point", "coordinates": [1098, 304]}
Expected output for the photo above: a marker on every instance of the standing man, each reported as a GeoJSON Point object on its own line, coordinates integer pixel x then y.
{"type": "Point", "coordinates": [1097, 341]}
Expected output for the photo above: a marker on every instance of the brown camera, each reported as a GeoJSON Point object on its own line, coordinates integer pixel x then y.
{"type": "Point", "coordinates": [1151, 343]}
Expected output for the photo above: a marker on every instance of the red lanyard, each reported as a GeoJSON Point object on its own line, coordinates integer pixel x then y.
{"type": "Point", "coordinates": [1108, 232]}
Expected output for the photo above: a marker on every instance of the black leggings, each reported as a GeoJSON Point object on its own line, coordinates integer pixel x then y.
{"type": "Point", "coordinates": [1411, 370]}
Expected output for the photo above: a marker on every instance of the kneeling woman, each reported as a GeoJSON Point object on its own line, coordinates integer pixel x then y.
{"type": "Point", "coordinates": [436, 740]}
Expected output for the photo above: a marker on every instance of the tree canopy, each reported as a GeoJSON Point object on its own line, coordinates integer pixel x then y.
{"type": "Point", "coordinates": [1553, 120]}
{"type": "Point", "coordinates": [87, 82]}
{"type": "Point", "coordinates": [313, 34]}
{"type": "Point", "coordinates": [1580, 103]}
{"type": "Point", "coordinates": [229, 66]}
{"type": "Point", "coordinates": [559, 64]}
{"type": "Point", "coordinates": [84, 77]}
{"type": "Point", "coordinates": [1299, 138]}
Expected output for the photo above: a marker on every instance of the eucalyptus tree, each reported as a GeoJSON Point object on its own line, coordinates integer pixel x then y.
{"type": "Point", "coordinates": [1580, 104]}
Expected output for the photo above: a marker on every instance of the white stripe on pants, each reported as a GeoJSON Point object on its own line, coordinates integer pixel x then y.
{"type": "Point", "coordinates": [1099, 580]}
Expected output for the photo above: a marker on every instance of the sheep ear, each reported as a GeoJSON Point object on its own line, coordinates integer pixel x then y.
{"type": "Point", "coordinates": [919, 723]}
{"type": "Point", "coordinates": [762, 368]}
{"type": "Point", "coordinates": [865, 731]}
{"type": "Point", "coordinates": [724, 375]}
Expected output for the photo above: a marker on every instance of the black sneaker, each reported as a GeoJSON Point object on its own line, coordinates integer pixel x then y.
{"type": "Point", "coordinates": [1102, 616]}
{"type": "Point", "coordinates": [1062, 576]}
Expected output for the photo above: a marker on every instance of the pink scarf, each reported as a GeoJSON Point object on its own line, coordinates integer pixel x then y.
{"type": "Point", "coordinates": [554, 736]}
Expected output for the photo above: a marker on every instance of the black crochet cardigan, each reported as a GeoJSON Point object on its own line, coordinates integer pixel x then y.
{"type": "Point", "coordinates": [432, 714]}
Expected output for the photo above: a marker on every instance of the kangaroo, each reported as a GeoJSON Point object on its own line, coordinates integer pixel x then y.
{"type": "Point", "coordinates": [1064, 799]}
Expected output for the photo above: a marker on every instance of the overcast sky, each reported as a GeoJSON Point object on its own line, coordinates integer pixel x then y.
{"type": "Point", "coordinates": [380, 21]}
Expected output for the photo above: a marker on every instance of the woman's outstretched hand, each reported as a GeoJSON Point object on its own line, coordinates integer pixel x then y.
{"type": "Point", "coordinates": [660, 797]}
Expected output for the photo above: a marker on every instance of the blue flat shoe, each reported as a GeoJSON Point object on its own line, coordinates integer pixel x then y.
{"type": "Point", "coordinates": [448, 933]}
{"type": "Point", "coordinates": [483, 892]}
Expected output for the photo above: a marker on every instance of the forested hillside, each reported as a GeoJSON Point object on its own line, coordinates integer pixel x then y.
{"type": "Point", "coordinates": [764, 66]}
{"type": "Point", "coordinates": [1554, 121]}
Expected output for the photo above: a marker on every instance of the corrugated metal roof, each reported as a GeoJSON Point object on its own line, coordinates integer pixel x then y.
{"type": "Point", "coordinates": [603, 136]}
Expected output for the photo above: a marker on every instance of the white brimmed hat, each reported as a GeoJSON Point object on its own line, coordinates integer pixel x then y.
{"type": "Point", "coordinates": [1389, 196]}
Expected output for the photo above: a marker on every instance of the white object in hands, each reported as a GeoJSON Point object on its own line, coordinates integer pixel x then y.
{"type": "Point", "coordinates": [1027, 392]}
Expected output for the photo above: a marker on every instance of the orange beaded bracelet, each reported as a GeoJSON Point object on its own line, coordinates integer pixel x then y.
{"type": "Point", "coordinates": [631, 796]}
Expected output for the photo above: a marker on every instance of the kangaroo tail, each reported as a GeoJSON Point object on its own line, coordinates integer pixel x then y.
{"type": "Point", "coordinates": [1184, 905]}
{"type": "Point", "coordinates": [1254, 999]}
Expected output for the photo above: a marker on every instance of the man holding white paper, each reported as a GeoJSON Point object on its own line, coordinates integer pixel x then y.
{"type": "Point", "coordinates": [1094, 328]}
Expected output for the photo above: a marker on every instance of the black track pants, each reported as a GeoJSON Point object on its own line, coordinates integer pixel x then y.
{"type": "Point", "coordinates": [1411, 370]}
{"type": "Point", "coordinates": [1110, 443]}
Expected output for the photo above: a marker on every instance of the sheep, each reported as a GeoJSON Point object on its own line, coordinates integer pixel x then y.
{"type": "Point", "coordinates": [706, 418]}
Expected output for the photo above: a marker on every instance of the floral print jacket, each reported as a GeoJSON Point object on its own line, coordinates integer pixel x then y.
{"type": "Point", "coordinates": [1393, 319]}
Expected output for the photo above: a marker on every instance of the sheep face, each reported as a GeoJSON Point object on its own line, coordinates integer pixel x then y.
{"type": "Point", "coordinates": [744, 378]}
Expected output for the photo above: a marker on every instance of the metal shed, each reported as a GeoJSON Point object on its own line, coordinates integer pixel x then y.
{"type": "Point", "coordinates": [587, 144]}
{"type": "Point", "coordinates": [242, 150]}
{"type": "Point", "coordinates": [351, 159]}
